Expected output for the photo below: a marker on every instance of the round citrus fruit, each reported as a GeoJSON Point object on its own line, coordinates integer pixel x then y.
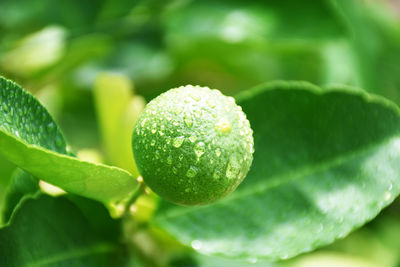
{"type": "Point", "coordinates": [193, 145]}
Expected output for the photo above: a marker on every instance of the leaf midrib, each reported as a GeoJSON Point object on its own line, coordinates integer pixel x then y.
{"type": "Point", "coordinates": [285, 178]}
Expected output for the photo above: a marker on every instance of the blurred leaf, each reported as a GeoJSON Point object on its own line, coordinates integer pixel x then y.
{"type": "Point", "coordinates": [235, 21]}
{"type": "Point", "coordinates": [366, 42]}
{"type": "Point", "coordinates": [22, 183]}
{"type": "Point", "coordinates": [118, 110]}
{"type": "Point", "coordinates": [31, 139]}
{"type": "Point", "coordinates": [325, 163]}
{"type": "Point", "coordinates": [35, 51]}
{"type": "Point", "coordinates": [46, 231]}
{"type": "Point", "coordinates": [232, 45]}
{"type": "Point", "coordinates": [24, 16]}
{"type": "Point", "coordinates": [331, 260]}
{"type": "Point", "coordinates": [375, 41]}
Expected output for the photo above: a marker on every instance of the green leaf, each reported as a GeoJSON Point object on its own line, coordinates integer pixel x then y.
{"type": "Point", "coordinates": [22, 183]}
{"type": "Point", "coordinates": [46, 231]}
{"type": "Point", "coordinates": [6, 170]}
{"type": "Point", "coordinates": [326, 162]}
{"type": "Point", "coordinates": [30, 138]}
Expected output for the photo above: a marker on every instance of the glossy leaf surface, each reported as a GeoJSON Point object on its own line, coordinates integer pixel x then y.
{"type": "Point", "coordinates": [326, 162]}
{"type": "Point", "coordinates": [46, 231]}
{"type": "Point", "coordinates": [30, 138]}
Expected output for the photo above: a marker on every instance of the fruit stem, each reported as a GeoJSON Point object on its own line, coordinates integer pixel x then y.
{"type": "Point", "coordinates": [139, 191]}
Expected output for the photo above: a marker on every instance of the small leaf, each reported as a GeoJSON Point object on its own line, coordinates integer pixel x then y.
{"type": "Point", "coordinates": [30, 138]}
{"type": "Point", "coordinates": [22, 183]}
{"type": "Point", "coordinates": [46, 231]}
{"type": "Point", "coordinates": [325, 163]}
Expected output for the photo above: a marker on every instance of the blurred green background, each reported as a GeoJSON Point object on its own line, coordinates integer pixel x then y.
{"type": "Point", "coordinates": [77, 56]}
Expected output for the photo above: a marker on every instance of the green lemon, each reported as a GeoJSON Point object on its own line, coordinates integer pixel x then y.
{"type": "Point", "coordinates": [193, 145]}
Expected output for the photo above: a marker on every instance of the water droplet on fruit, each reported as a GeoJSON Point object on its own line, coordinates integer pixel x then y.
{"type": "Point", "coordinates": [223, 125]}
{"type": "Point", "coordinates": [233, 169]}
{"type": "Point", "coordinates": [188, 121]}
{"type": "Point", "coordinates": [5, 107]}
{"type": "Point", "coordinates": [197, 113]}
{"type": "Point", "coordinates": [178, 109]}
{"type": "Point", "coordinates": [211, 102]}
{"type": "Point", "coordinates": [191, 172]}
{"type": "Point", "coordinates": [192, 138]}
{"type": "Point", "coordinates": [169, 160]}
{"type": "Point", "coordinates": [218, 152]}
{"type": "Point", "coordinates": [178, 141]}
{"type": "Point", "coordinates": [168, 140]}
{"type": "Point", "coordinates": [199, 149]}
{"type": "Point", "coordinates": [153, 142]}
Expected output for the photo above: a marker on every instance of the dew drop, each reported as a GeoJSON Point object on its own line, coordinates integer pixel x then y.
{"type": "Point", "coordinates": [188, 121]}
{"type": "Point", "coordinates": [5, 107]}
{"type": "Point", "coordinates": [211, 102]}
{"type": "Point", "coordinates": [192, 138]}
{"type": "Point", "coordinates": [387, 196]}
{"type": "Point", "coordinates": [252, 260]}
{"type": "Point", "coordinates": [59, 141]}
{"type": "Point", "coordinates": [223, 125]}
{"type": "Point", "coordinates": [143, 122]}
{"type": "Point", "coordinates": [233, 169]}
{"type": "Point", "coordinates": [197, 113]}
{"type": "Point", "coordinates": [51, 127]}
{"type": "Point", "coordinates": [178, 110]}
{"type": "Point", "coordinates": [218, 152]}
{"type": "Point", "coordinates": [192, 171]}
{"type": "Point", "coordinates": [153, 142]}
{"type": "Point", "coordinates": [178, 141]}
{"type": "Point", "coordinates": [169, 160]}
{"type": "Point", "coordinates": [196, 244]}
{"type": "Point", "coordinates": [199, 149]}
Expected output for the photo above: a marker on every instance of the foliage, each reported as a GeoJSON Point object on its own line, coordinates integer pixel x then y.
{"type": "Point", "coordinates": [326, 157]}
